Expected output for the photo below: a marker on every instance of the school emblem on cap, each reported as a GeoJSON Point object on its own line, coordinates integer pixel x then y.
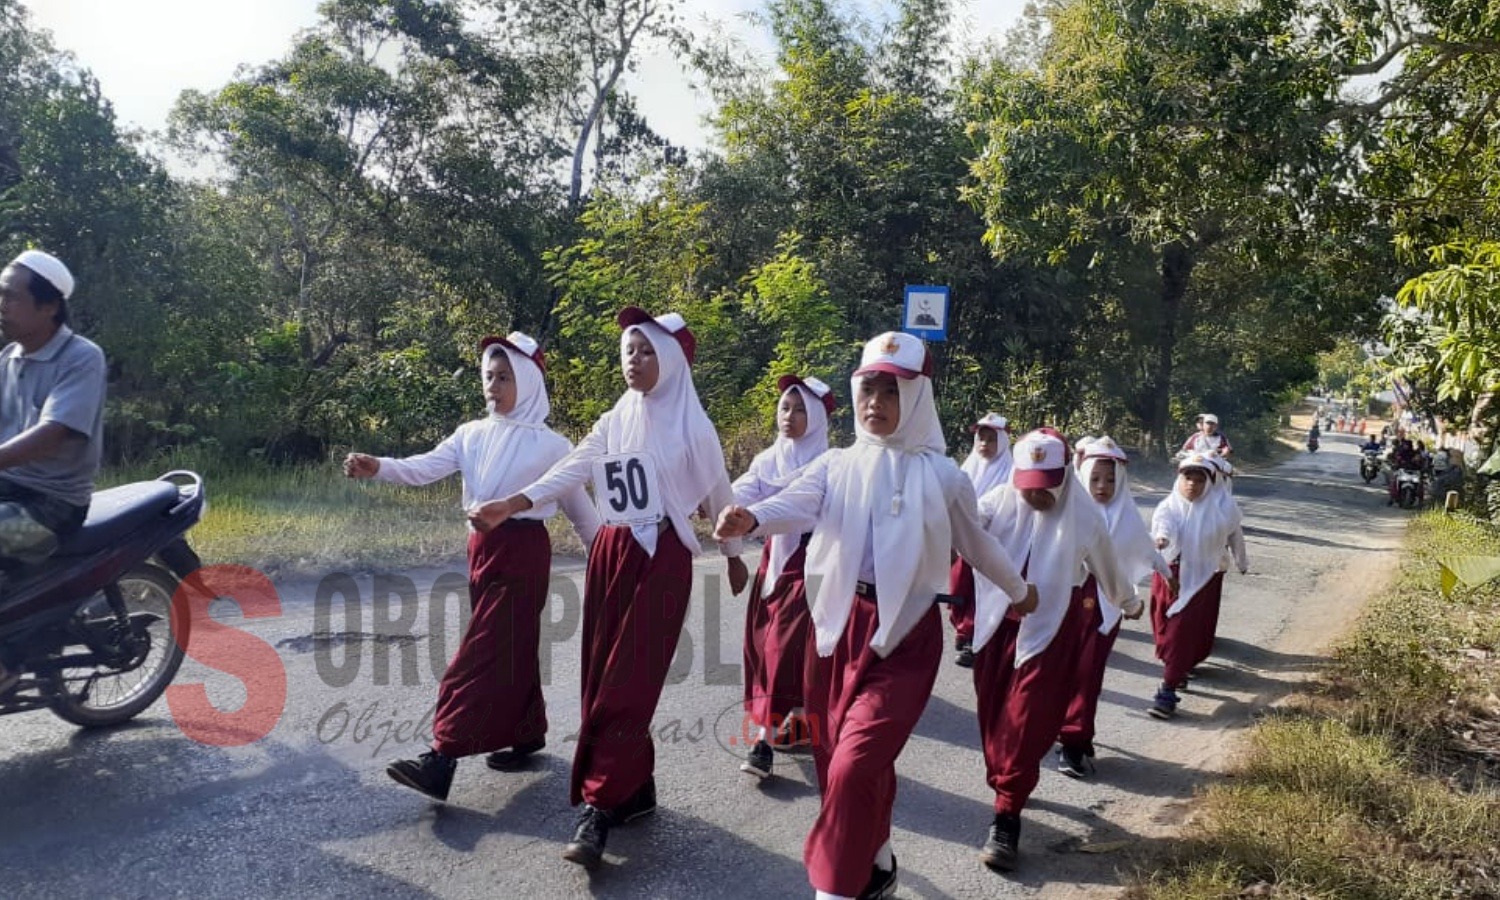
{"type": "Point", "coordinates": [1038, 453]}
{"type": "Point", "coordinates": [892, 346]}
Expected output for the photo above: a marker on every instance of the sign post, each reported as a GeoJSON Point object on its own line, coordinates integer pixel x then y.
{"type": "Point", "coordinates": [926, 311]}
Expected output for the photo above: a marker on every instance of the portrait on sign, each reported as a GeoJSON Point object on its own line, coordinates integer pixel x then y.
{"type": "Point", "coordinates": [926, 310]}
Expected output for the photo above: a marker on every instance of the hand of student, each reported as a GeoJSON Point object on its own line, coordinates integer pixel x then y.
{"type": "Point", "coordinates": [734, 522]}
{"type": "Point", "coordinates": [360, 465]}
{"type": "Point", "coordinates": [1027, 606]}
{"type": "Point", "coordinates": [739, 575]}
{"type": "Point", "coordinates": [493, 514]}
{"type": "Point", "coordinates": [1134, 609]}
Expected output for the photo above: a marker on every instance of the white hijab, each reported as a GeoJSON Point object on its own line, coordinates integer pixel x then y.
{"type": "Point", "coordinates": [1197, 535]}
{"type": "Point", "coordinates": [1050, 546]}
{"type": "Point", "coordinates": [1134, 549]}
{"type": "Point", "coordinates": [514, 437]}
{"type": "Point", "coordinates": [986, 474]}
{"type": "Point", "coordinates": [780, 464]}
{"type": "Point", "coordinates": [885, 492]}
{"type": "Point", "coordinates": [670, 424]}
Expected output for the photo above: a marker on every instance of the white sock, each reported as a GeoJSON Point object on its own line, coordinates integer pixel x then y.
{"type": "Point", "coordinates": [884, 859]}
{"type": "Point", "coordinates": [824, 895]}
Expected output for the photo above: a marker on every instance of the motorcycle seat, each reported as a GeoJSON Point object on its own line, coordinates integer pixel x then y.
{"type": "Point", "coordinates": [116, 512]}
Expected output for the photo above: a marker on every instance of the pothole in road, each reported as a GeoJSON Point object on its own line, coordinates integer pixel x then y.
{"type": "Point", "coordinates": [309, 643]}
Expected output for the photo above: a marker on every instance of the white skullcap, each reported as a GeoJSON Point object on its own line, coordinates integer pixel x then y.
{"type": "Point", "coordinates": [48, 267]}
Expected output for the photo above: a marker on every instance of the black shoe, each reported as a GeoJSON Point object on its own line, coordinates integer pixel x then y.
{"type": "Point", "coordinates": [882, 883]}
{"type": "Point", "coordinates": [431, 773]}
{"type": "Point", "coordinates": [513, 759]}
{"type": "Point", "coordinates": [587, 847]}
{"type": "Point", "coordinates": [759, 761]}
{"type": "Point", "coordinates": [794, 736]}
{"type": "Point", "coordinates": [641, 803]}
{"type": "Point", "coordinates": [999, 851]}
{"type": "Point", "coordinates": [964, 658]}
{"type": "Point", "coordinates": [1072, 762]}
{"type": "Point", "coordinates": [1164, 704]}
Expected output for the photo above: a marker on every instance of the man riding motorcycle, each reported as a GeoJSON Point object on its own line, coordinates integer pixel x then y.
{"type": "Point", "coordinates": [51, 414]}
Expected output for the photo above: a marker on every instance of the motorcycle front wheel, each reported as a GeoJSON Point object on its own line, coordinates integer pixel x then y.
{"type": "Point", "coordinates": [99, 696]}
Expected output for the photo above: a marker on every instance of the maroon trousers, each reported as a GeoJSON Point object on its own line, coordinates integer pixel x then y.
{"type": "Point", "coordinates": [491, 694]}
{"type": "Point", "coordinates": [862, 709]}
{"type": "Point", "coordinates": [633, 608]}
{"type": "Point", "coordinates": [961, 612]}
{"type": "Point", "coordinates": [1093, 657]}
{"type": "Point", "coordinates": [1022, 709]}
{"type": "Point", "coordinates": [1186, 639]}
{"type": "Point", "coordinates": [780, 622]}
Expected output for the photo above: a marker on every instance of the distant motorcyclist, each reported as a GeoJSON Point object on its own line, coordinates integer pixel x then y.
{"type": "Point", "coordinates": [1403, 456]}
{"type": "Point", "coordinates": [1208, 439]}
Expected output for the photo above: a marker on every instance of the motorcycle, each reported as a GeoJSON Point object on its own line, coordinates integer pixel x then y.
{"type": "Point", "coordinates": [1312, 443]}
{"type": "Point", "coordinates": [91, 633]}
{"type": "Point", "coordinates": [1411, 488]}
{"type": "Point", "coordinates": [1369, 465]}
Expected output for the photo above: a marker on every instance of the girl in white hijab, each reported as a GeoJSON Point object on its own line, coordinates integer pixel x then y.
{"type": "Point", "coordinates": [490, 698]}
{"type": "Point", "coordinates": [776, 614]}
{"type": "Point", "coordinates": [1105, 476]}
{"type": "Point", "coordinates": [1192, 528]}
{"type": "Point", "coordinates": [988, 466]}
{"type": "Point", "coordinates": [884, 514]}
{"type": "Point", "coordinates": [1024, 670]}
{"type": "Point", "coordinates": [656, 459]}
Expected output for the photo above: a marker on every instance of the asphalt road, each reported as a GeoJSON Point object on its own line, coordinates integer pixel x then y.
{"type": "Point", "coordinates": [180, 805]}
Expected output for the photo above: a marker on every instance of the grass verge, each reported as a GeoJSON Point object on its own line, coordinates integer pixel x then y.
{"type": "Point", "coordinates": [310, 519]}
{"type": "Point", "coordinates": [1381, 780]}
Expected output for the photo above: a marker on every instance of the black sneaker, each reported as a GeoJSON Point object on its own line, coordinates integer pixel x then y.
{"type": "Point", "coordinates": [1072, 762]}
{"type": "Point", "coordinates": [999, 851]}
{"type": "Point", "coordinates": [641, 803]}
{"type": "Point", "coordinates": [759, 761]}
{"type": "Point", "coordinates": [794, 736]}
{"type": "Point", "coordinates": [882, 883]}
{"type": "Point", "coordinates": [431, 773]}
{"type": "Point", "coordinates": [587, 846]}
{"type": "Point", "coordinates": [513, 759]}
{"type": "Point", "coordinates": [1164, 704]}
{"type": "Point", "coordinates": [964, 658]}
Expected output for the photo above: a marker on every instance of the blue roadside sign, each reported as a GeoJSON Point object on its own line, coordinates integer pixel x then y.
{"type": "Point", "coordinates": [926, 311]}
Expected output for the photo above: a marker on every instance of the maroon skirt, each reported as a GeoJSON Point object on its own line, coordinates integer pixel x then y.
{"type": "Point", "coordinates": [491, 694]}
{"type": "Point", "coordinates": [773, 688]}
{"type": "Point", "coordinates": [1186, 639]}
{"type": "Point", "coordinates": [633, 609]}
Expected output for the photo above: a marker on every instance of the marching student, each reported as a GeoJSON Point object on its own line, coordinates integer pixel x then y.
{"type": "Point", "coordinates": [1192, 528]}
{"type": "Point", "coordinates": [884, 514]}
{"type": "Point", "coordinates": [655, 458]}
{"type": "Point", "coordinates": [490, 698]}
{"type": "Point", "coordinates": [1104, 474]}
{"type": "Point", "coordinates": [776, 613]}
{"type": "Point", "coordinates": [1024, 669]}
{"type": "Point", "coordinates": [987, 465]}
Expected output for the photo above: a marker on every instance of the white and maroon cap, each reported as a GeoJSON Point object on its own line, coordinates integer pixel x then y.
{"type": "Point", "coordinates": [672, 323]}
{"type": "Point", "coordinates": [49, 268]}
{"type": "Point", "coordinates": [895, 353]}
{"type": "Point", "coordinates": [991, 420]}
{"type": "Point", "coordinates": [816, 386]}
{"type": "Point", "coordinates": [1041, 460]}
{"type": "Point", "coordinates": [523, 344]}
{"type": "Point", "coordinates": [1198, 461]}
{"type": "Point", "coordinates": [1105, 448]}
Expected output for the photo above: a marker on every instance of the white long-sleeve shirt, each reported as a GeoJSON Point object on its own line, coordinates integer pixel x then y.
{"type": "Point", "coordinates": [576, 468]}
{"type": "Point", "coordinates": [465, 452]}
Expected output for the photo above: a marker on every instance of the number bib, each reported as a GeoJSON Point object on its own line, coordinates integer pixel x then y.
{"type": "Point", "coordinates": [625, 489]}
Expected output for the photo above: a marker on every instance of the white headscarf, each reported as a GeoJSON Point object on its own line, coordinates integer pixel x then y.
{"type": "Point", "coordinates": [1050, 546]}
{"type": "Point", "coordinates": [986, 474]}
{"type": "Point", "coordinates": [884, 491]}
{"type": "Point", "coordinates": [1134, 549]}
{"type": "Point", "coordinates": [670, 424]}
{"type": "Point", "coordinates": [1197, 534]}
{"type": "Point", "coordinates": [779, 464]}
{"type": "Point", "coordinates": [519, 435]}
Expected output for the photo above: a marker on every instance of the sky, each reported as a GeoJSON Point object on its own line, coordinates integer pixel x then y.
{"type": "Point", "coordinates": [146, 52]}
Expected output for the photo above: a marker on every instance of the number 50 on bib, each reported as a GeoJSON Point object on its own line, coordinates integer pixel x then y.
{"type": "Point", "coordinates": [625, 489]}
